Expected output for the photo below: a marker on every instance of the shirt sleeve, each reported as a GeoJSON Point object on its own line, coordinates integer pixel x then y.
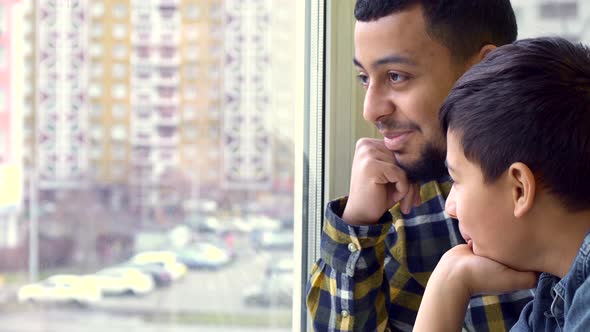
{"type": "Point", "coordinates": [347, 290]}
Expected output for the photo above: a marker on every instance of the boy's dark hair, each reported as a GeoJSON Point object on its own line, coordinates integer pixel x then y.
{"type": "Point", "coordinates": [463, 26]}
{"type": "Point", "coordinates": [528, 102]}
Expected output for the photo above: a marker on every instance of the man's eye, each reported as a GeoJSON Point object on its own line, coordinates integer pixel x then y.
{"type": "Point", "coordinates": [363, 79]}
{"type": "Point", "coordinates": [397, 78]}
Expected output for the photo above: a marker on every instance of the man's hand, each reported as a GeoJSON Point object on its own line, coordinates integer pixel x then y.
{"type": "Point", "coordinates": [377, 183]}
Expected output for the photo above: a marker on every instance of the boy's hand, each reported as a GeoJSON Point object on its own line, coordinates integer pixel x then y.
{"type": "Point", "coordinates": [377, 183]}
{"type": "Point", "coordinates": [459, 275]}
{"type": "Point", "coordinates": [480, 275]}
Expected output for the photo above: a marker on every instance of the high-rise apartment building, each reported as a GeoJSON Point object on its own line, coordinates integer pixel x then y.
{"type": "Point", "coordinates": [566, 18]}
{"type": "Point", "coordinates": [157, 102]}
{"type": "Point", "coordinates": [11, 106]}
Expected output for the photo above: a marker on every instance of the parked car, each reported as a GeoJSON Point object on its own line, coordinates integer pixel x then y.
{"type": "Point", "coordinates": [274, 290]}
{"type": "Point", "coordinates": [204, 256]}
{"type": "Point", "coordinates": [272, 240]}
{"type": "Point", "coordinates": [167, 259]}
{"type": "Point", "coordinates": [63, 288]}
{"type": "Point", "coordinates": [122, 281]}
{"type": "Point", "coordinates": [160, 276]}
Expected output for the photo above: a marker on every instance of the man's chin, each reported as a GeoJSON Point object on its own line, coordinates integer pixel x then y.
{"type": "Point", "coordinates": [424, 167]}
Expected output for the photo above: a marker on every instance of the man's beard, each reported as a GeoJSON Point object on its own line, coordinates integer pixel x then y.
{"type": "Point", "coordinates": [429, 166]}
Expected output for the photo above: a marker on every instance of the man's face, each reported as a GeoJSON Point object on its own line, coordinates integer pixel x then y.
{"type": "Point", "coordinates": [407, 75]}
{"type": "Point", "coordinates": [485, 210]}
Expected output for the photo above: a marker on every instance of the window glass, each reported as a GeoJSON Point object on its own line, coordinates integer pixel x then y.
{"type": "Point", "coordinates": [153, 200]}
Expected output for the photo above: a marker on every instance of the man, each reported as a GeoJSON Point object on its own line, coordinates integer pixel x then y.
{"type": "Point", "coordinates": [375, 264]}
{"type": "Point", "coordinates": [518, 137]}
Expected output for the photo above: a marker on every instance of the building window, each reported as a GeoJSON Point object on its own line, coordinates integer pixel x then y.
{"type": "Point", "coordinates": [119, 111]}
{"type": "Point", "coordinates": [97, 9]}
{"type": "Point", "coordinates": [120, 10]}
{"type": "Point", "coordinates": [119, 31]}
{"type": "Point", "coordinates": [96, 50]}
{"type": "Point", "coordinates": [192, 53]}
{"type": "Point", "coordinates": [119, 91]}
{"type": "Point", "coordinates": [120, 51]}
{"type": "Point", "coordinates": [119, 152]}
{"type": "Point", "coordinates": [119, 70]}
{"type": "Point", "coordinates": [2, 56]}
{"type": "Point", "coordinates": [191, 32]}
{"type": "Point", "coordinates": [190, 92]}
{"type": "Point", "coordinates": [95, 90]}
{"type": "Point", "coordinates": [192, 12]}
{"type": "Point", "coordinates": [97, 30]}
{"type": "Point", "coordinates": [559, 10]}
{"type": "Point", "coordinates": [2, 19]}
{"type": "Point", "coordinates": [189, 112]}
{"type": "Point", "coordinates": [191, 132]}
{"type": "Point", "coordinates": [119, 132]}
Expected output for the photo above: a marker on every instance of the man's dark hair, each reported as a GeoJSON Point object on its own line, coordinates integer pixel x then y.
{"type": "Point", "coordinates": [463, 26]}
{"type": "Point", "coordinates": [528, 102]}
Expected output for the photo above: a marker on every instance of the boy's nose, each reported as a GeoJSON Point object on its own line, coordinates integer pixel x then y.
{"type": "Point", "coordinates": [450, 205]}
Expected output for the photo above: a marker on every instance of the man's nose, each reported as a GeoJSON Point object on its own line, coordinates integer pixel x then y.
{"type": "Point", "coordinates": [377, 104]}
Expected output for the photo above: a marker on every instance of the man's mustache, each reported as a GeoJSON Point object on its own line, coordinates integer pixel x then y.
{"type": "Point", "coordinates": [392, 125]}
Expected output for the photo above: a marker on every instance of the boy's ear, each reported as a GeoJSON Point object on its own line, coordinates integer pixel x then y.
{"type": "Point", "coordinates": [522, 182]}
{"type": "Point", "coordinates": [479, 56]}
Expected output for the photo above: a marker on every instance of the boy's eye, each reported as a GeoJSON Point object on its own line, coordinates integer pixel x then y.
{"type": "Point", "coordinates": [363, 79]}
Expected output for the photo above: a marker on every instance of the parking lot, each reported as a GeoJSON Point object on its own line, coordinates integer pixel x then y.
{"type": "Point", "coordinates": [203, 300]}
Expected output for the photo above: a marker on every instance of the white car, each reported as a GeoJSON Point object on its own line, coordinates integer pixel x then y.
{"type": "Point", "coordinates": [167, 259]}
{"type": "Point", "coordinates": [122, 280]}
{"type": "Point", "coordinates": [63, 288]}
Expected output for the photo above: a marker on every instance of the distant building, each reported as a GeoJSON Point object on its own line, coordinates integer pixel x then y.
{"type": "Point", "coordinates": [567, 18]}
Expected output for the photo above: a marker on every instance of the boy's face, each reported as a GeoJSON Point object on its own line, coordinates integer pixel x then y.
{"type": "Point", "coordinates": [485, 210]}
{"type": "Point", "coordinates": [407, 75]}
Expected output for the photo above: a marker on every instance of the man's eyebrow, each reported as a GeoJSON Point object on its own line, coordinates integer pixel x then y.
{"type": "Point", "coordinates": [391, 59]}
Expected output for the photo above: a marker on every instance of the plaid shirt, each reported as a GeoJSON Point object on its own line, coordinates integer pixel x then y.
{"type": "Point", "coordinates": [372, 278]}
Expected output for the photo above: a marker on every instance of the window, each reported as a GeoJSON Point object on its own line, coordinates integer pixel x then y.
{"type": "Point", "coordinates": [119, 132]}
{"type": "Point", "coordinates": [3, 19]}
{"type": "Point", "coordinates": [120, 10]}
{"type": "Point", "coordinates": [2, 100]}
{"type": "Point", "coordinates": [151, 139]}
{"type": "Point", "coordinates": [120, 31]}
{"type": "Point", "coordinates": [119, 152]}
{"type": "Point", "coordinates": [96, 50]}
{"type": "Point", "coordinates": [119, 111]}
{"type": "Point", "coordinates": [559, 9]}
{"type": "Point", "coordinates": [95, 90]}
{"type": "Point", "coordinates": [97, 9]}
{"type": "Point", "coordinates": [192, 12]}
{"type": "Point", "coordinates": [97, 30]}
{"type": "Point", "coordinates": [120, 51]}
{"type": "Point", "coordinates": [190, 92]}
{"type": "Point", "coordinates": [119, 91]}
{"type": "Point", "coordinates": [2, 56]}
{"type": "Point", "coordinates": [119, 70]}
{"type": "Point", "coordinates": [189, 113]}
{"type": "Point", "coordinates": [191, 132]}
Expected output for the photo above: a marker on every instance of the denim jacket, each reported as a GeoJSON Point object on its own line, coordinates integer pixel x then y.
{"type": "Point", "coordinates": [561, 305]}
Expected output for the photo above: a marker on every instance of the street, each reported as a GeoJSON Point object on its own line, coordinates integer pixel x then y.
{"type": "Point", "coordinates": [202, 301]}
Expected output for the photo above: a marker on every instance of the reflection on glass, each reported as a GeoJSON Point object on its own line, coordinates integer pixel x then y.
{"type": "Point", "coordinates": [154, 188]}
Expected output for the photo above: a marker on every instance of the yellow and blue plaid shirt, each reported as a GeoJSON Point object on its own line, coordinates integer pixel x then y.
{"type": "Point", "coordinates": [372, 278]}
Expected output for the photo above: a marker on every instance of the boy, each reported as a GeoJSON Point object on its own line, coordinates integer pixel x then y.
{"type": "Point", "coordinates": [518, 150]}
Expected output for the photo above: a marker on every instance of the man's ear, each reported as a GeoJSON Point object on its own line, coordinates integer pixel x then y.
{"type": "Point", "coordinates": [523, 187]}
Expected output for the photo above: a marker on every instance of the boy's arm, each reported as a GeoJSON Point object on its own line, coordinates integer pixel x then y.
{"type": "Point", "coordinates": [459, 275]}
